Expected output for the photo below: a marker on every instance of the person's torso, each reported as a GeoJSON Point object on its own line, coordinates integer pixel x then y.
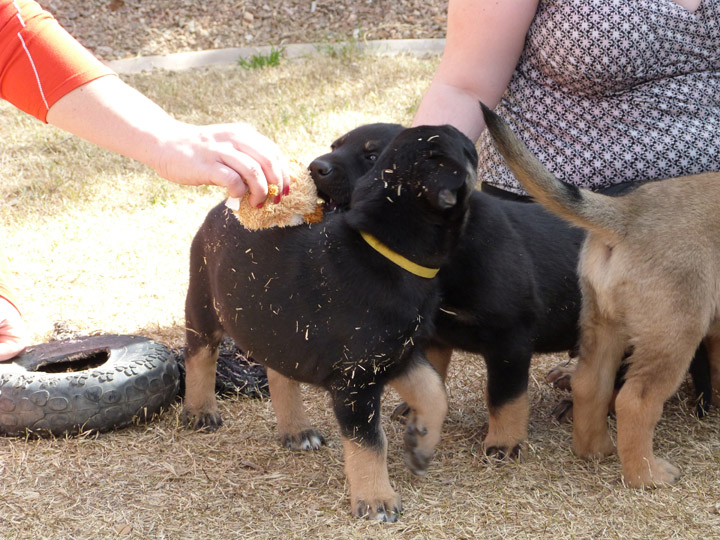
{"type": "Point", "coordinates": [610, 91]}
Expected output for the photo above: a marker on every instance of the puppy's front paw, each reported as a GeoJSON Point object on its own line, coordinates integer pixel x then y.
{"type": "Point", "coordinates": [308, 439]}
{"type": "Point", "coordinates": [202, 420]}
{"type": "Point", "coordinates": [420, 444]}
{"type": "Point", "coordinates": [417, 458]}
{"type": "Point", "coordinates": [596, 447]}
{"type": "Point", "coordinates": [387, 509]}
{"type": "Point", "coordinates": [651, 473]}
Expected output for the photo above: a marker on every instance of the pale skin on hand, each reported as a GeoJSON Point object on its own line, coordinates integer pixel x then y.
{"type": "Point", "coordinates": [113, 115]}
{"type": "Point", "coordinates": [13, 334]}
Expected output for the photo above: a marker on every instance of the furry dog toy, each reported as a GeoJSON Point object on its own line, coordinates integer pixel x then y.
{"type": "Point", "coordinates": [299, 206]}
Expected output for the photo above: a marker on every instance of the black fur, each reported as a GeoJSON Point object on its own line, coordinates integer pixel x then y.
{"type": "Point", "coordinates": [351, 156]}
{"type": "Point", "coordinates": [316, 303]}
{"type": "Point", "coordinates": [509, 290]}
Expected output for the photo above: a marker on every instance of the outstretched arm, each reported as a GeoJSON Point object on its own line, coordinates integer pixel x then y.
{"type": "Point", "coordinates": [113, 115]}
{"type": "Point", "coordinates": [47, 73]}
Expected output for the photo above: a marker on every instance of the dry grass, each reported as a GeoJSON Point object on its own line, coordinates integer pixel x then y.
{"type": "Point", "coordinates": [99, 242]}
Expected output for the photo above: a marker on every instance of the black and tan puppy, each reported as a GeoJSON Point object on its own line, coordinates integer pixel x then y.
{"type": "Point", "coordinates": [350, 157]}
{"type": "Point", "coordinates": [345, 304]}
{"type": "Point", "coordinates": [650, 279]}
{"type": "Point", "coordinates": [508, 291]}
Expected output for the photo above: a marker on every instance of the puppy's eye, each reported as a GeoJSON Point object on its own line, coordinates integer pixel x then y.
{"type": "Point", "coordinates": [371, 157]}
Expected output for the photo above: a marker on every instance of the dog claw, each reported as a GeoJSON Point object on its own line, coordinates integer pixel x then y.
{"type": "Point", "coordinates": [400, 413]}
{"type": "Point", "coordinates": [563, 411]}
{"type": "Point", "coordinates": [560, 376]}
{"type": "Point", "coordinates": [309, 439]}
{"type": "Point", "coordinates": [380, 511]}
{"type": "Point", "coordinates": [501, 453]}
{"type": "Point", "coordinates": [207, 421]}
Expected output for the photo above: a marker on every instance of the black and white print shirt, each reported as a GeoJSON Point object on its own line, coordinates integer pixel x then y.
{"type": "Point", "coordinates": [610, 91]}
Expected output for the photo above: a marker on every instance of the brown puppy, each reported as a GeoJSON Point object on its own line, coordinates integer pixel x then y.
{"type": "Point", "coordinates": [650, 279]}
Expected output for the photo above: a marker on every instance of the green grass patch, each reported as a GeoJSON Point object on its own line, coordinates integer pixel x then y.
{"type": "Point", "coordinates": [261, 61]}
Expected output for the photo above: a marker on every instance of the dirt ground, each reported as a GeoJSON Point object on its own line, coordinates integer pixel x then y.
{"type": "Point", "coordinates": [123, 28]}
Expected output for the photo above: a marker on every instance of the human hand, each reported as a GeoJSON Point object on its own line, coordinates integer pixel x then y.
{"type": "Point", "coordinates": [235, 156]}
{"type": "Point", "coordinates": [13, 334]}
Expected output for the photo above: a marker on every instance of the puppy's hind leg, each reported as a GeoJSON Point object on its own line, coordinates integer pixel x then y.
{"type": "Point", "coordinates": [508, 366]}
{"type": "Point", "coordinates": [656, 370]}
{"type": "Point", "coordinates": [294, 428]}
{"type": "Point", "coordinates": [593, 384]}
{"type": "Point", "coordinates": [423, 390]}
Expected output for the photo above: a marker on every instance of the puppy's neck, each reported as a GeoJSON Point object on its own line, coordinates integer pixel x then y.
{"type": "Point", "coordinates": [402, 262]}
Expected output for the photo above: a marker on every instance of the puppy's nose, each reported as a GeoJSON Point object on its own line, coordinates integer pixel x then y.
{"type": "Point", "coordinates": [320, 169]}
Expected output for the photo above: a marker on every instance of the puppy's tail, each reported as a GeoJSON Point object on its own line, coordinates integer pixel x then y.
{"type": "Point", "coordinates": [581, 207]}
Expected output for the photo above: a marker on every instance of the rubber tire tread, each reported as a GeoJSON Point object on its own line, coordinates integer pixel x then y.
{"type": "Point", "coordinates": [139, 379]}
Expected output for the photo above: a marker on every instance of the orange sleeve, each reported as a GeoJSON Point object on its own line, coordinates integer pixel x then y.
{"type": "Point", "coordinates": [39, 61]}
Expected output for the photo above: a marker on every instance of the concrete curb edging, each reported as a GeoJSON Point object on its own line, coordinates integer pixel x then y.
{"type": "Point", "coordinates": [189, 60]}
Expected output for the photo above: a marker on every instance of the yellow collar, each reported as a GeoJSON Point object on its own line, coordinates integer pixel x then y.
{"type": "Point", "coordinates": [398, 259]}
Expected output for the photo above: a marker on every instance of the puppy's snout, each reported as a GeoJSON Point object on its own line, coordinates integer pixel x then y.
{"type": "Point", "coordinates": [320, 169]}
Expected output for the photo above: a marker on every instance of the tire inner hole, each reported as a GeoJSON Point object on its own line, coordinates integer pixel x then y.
{"type": "Point", "coordinates": [80, 361]}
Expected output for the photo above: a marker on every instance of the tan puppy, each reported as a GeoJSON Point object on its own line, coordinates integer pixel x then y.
{"type": "Point", "coordinates": [650, 279]}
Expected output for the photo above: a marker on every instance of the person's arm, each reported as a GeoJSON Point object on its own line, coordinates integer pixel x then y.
{"type": "Point", "coordinates": [45, 72]}
{"type": "Point", "coordinates": [113, 115]}
{"type": "Point", "coordinates": [483, 45]}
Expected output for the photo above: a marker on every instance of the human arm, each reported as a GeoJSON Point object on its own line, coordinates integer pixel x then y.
{"type": "Point", "coordinates": [47, 73]}
{"type": "Point", "coordinates": [113, 115]}
{"type": "Point", "coordinates": [483, 45]}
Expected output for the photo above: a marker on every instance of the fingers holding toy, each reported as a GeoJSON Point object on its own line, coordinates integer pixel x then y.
{"type": "Point", "coordinates": [234, 156]}
{"type": "Point", "coordinates": [299, 205]}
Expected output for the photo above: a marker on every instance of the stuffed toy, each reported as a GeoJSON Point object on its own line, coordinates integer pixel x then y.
{"type": "Point", "coordinates": [299, 206]}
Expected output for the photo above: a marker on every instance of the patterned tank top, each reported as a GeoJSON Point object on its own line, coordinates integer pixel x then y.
{"type": "Point", "coordinates": [610, 91]}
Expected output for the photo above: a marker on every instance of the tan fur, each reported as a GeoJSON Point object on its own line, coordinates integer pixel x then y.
{"type": "Point", "coordinates": [439, 358]}
{"type": "Point", "coordinates": [371, 494]}
{"type": "Point", "coordinates": [650, 278]}
{"type": "Point", "coordinates": [286, 397]}
{"type": "Point", "coordinates": [297, 207]}
{"type": "Point", "coordinates": [508, 424]}
{"type": "Point", "coordinates": [200, 398]}
{"type": "Point", "coordinates": [423, 390]}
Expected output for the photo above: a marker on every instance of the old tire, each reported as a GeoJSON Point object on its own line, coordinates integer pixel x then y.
{"type": "Point", "coordinates": [86, 384]}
